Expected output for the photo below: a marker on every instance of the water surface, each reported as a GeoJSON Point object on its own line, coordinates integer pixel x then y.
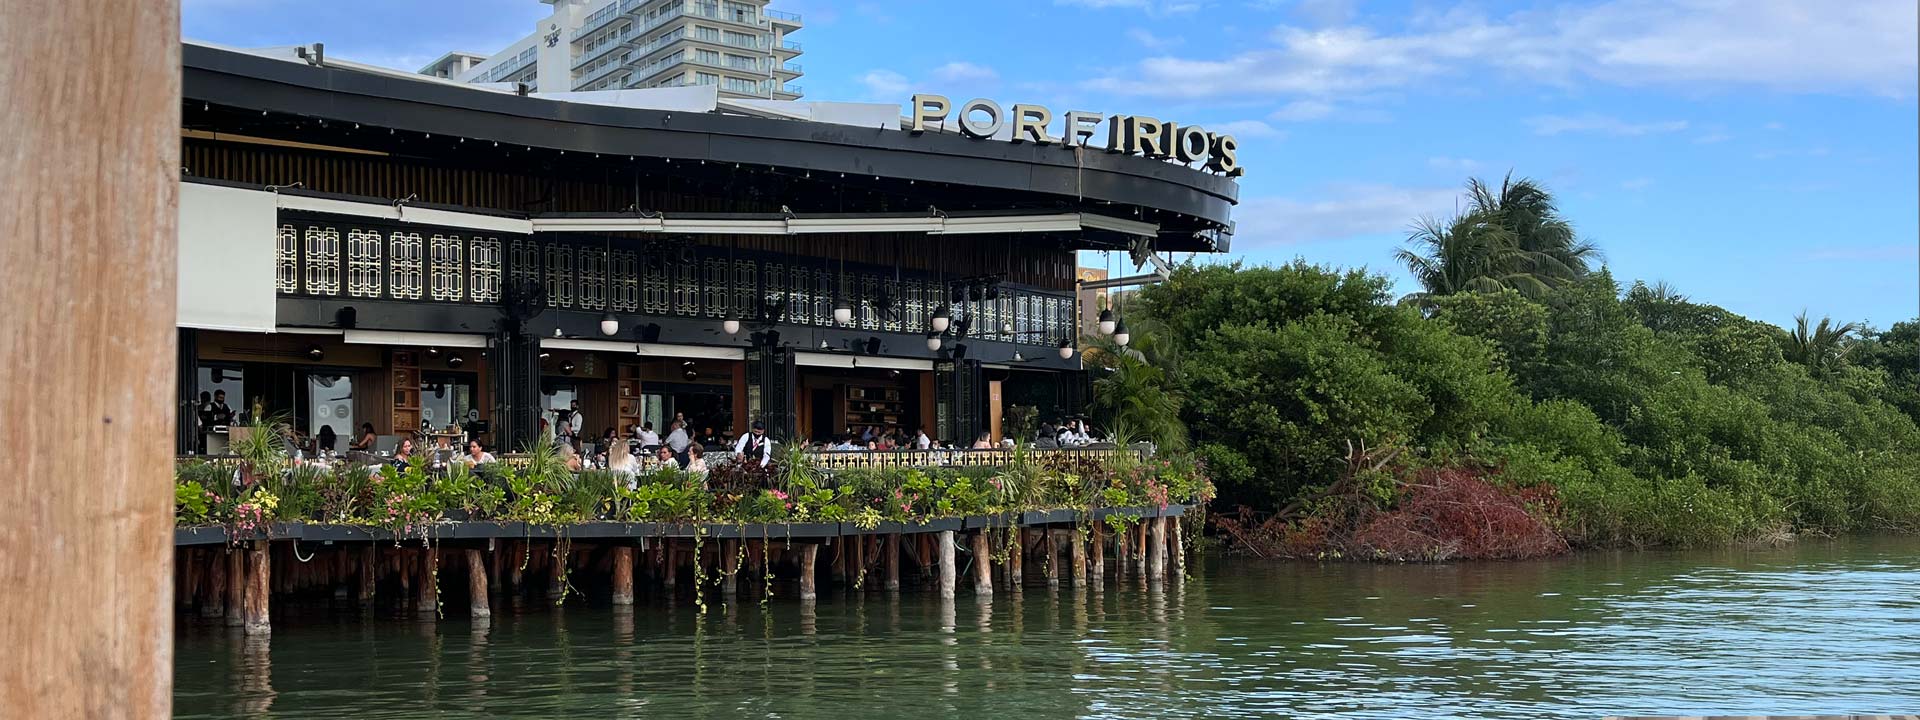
{"type": "Point", "coordinates": [1822, 626]}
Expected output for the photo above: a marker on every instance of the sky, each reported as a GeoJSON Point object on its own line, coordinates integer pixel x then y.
{"type": "Point", "coordinates": [1760, 155]}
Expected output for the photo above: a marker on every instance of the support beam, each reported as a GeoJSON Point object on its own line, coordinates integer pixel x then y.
{"type": "Point", "coordinates": [982, 564]}
{"type": "Point", "coordinates": [892, 556]}
{"type": "Point", "coordinates": [729, 568]}
{"type": "Point", "coordinates": [1097, 571]}
{"type": "Point", "coordinates": [857, 564]}
{"type": "Point", "coordinates": [477, 606]}
{"type": "Point", "coordinates": [808, 553]}
{"type": "Point", "coordinates": [236, 586]}
{"type": "Point", "coordinates": [1077, 549]}
{"type": "Point", "coordinates": [259, 584]}
{"type": "Point", "coordinates": [1016, 557]}
{"type": "Point", "coordinates": [91, 108]}
{"type": "Point", "coordinates": [623, 575]}
{"type": "Point", "coordinates": [1050, 544]}
{"type": "Point", "coordinates": [670, 563]}
{"type": "Point", "coordinates": [216, 584]}
{"type": "Point", "coordinates": [947, 570]}
{"type": "Point", "coordinates": [428, 583]}
{"type": "Point", "coordinates": [1156, 550]}
{"type": "Point", "coordinates": [1120, 553]}
{"type": "Point", "coordinates": [1176, 547]}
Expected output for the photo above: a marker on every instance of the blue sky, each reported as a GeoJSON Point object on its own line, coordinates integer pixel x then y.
{"type": "Point", "coordinates": [1757, 154]}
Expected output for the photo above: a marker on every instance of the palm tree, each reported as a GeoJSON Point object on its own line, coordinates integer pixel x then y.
{"type": "Point", "coordinates": [1528, 211]}
{"type": "Point", "coordinates": [1133, 386]}
{"type": "Point", "coordinates": [1822, 347]}
{"type": "Point", "coordinates": [1466, 254]}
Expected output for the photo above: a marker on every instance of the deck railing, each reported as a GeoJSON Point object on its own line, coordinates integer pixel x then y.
{"type": "Point", "coordinates": [841, 459]}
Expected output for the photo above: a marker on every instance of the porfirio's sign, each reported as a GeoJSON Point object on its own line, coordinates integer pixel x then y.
{"type": "Point", "coordinates": [1131, 134]}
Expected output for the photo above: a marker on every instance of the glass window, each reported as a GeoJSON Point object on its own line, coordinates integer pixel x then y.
{"type": "Point", "coordinates": [330, 405]}
{"type": "Point", "coordinates": [447, 398]}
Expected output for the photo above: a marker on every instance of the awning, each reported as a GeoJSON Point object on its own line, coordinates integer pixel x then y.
{"type": "Point", "coordinates": [415, 339]}
{"type": "Point", "coordinates": [836, 360]}
{"type": "Point", "coordinates": [693, 352]}
{"type": "Point", "coordinates": [226, 259]}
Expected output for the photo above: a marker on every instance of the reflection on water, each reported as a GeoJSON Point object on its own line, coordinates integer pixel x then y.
{"type": "Point", "coordinates": [1820, 627]}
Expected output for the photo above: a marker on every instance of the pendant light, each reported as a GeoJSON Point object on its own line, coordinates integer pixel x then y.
{"type": "Point", "coordinates": [842, 308]}
{"type": "Point", "coordinates": [609, 325]}
{"type": "Point", "coordinates": [1066, 349]}
{"type": "Point", "coordinates": [1120, 335]}
{"type": "Point", "coordinates": [942, 316]}
{"type": "Point", "coordinates": [731, 324]}
{"type": "Point", "coordinates": [933, 341]}
{"type": "Point", "coordinates": [1106, 313]}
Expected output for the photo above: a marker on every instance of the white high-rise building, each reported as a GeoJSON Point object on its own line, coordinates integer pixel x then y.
{"type": "Point", "coordinates": [737, 45]}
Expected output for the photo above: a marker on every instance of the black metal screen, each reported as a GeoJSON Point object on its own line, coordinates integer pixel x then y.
{"type": "Point", "coordinates": [959, 390]}
{"type": "Point", "coordinates": [770, 382]}
{"type": "Point", "coordinates": [515, 361]}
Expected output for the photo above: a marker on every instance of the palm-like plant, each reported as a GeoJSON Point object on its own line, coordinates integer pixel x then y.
{"type": "Point", "coordinates": [1528, 211]}
{"type": "Point", "coordinates": [1820, 347]}
{"type": "Point", "coordinates": [1133, 388]}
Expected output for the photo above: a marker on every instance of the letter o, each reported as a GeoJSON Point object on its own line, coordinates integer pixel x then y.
{"type": "Point", "coordinates": [995, 118]}
{"type": "Point", "coordinates": [1192, 144]}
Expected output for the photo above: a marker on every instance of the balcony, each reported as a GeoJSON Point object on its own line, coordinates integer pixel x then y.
{"type": "Point", "coordinates": [789, 69]}
{"type": "Point", "coordinates": [789, 46]}
{"type": "Point", "coordinates": [794, 90]}
{"type": "Point", "coordinates": [785, 19]}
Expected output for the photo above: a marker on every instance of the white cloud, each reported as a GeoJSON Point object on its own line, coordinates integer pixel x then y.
{"type": "Point", "coordinates": [1639, 183]}
{"type": "Point", "coordinates": [1299, 110]}
{"type": "Point", "coordinates": [1337, 212]}
{"type": "Point", "coordinates": [1602, 124]}
{"type": "Point", "coordinates": [1246, 129]}
{"type": "Point", "coordinates": [1774, 126]}
{"type": "Point", "coordinates": [960, 72]}
{"type": "Point", "coordinates": [1860, 46]}
{"type": "Point", "coordinates": [1712, 137]}
{"type": "Point", "coordinates": [1865, 252]}
{"type": "Point", "coordinates": [884, 83]}
{"type": "Point", "coordinates": [1453, 164]}
{"type": "Point", "coordinates": [1151, 41]}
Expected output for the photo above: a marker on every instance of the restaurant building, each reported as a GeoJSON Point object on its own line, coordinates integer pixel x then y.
{"type": "Point", "coordinates": [360, 245]}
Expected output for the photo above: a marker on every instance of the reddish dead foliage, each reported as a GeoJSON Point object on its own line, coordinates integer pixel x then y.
{"type": "Point", "coordinates": [1437, 515]}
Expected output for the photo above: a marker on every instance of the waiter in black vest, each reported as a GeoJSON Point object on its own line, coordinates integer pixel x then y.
{"type": "Point", "coordinates": [755, 443]}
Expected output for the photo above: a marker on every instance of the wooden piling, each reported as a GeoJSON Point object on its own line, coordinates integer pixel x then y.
{"type": "Point", "coordinates": [892, 556]}
{"type": "Point", "coordinates": [1078, 552]}
{"type": "Point", "coordinates": [1050, 544]}
{"type": "Point", "coordinates": [1139, 542]}
{"type": "Point", "coordinates": [1176, 547]}
{"type": "Point", "coordinates": [236, 586]}
{"type": "Point", "coordinates": [1156, 550]}
{"type": "Point", "coordinates": [259, 585]}
{"type": "Point", "coordinates": [670, 563]}
{"type": "Point", "coordinates": [1097, 571]}
{"type": "Point", "coordinates": [982, 564]}
{"type": "Point", "coordinates": [369, 573]}
{"type": "Point", "coordinates": [428, 583]}
{"type": "Point", "coordinates": [1016, 557]}
{"type": "Point", "coordinates": [808, 553]}
{"type": "Point", "coordinates": [216, 584]}
{"type": "Point", "coordinates": [730, 567]}
{"type": "Point", "coordinates": [622, 575]}
{"type": "Point", "coordinates": [857, 563]}
{"type": "Point", "coordinates": [1120, 553]}
{"type": "Point", "coordinates": [947, 570]}
{"type": "Point", "coordinates": [477, 605]}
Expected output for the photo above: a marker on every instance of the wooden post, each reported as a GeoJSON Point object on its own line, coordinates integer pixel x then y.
{"type": "Point", "coordinates": [429, 583]}
{"type": "Point", "coordinates": [1052, 565]}
{"type": "Point", "coordinates": [217, 586]}
{"type": "Point", "coordinates": [477, 585]}
{"type": "Point", "coordinates": [1097, 572]}
{"type": "Point", "coordinates": [982, 564]}
{"type": "Point", "coordinates": [1140, 546]}
{"type": "Point", "coordinates": [670, 555]}
{"type": "Point", "coordinates": [91, 109]}
{"type": "Point", "coordinates": [1176, 547]}
{"type": "Point", "coordinates": [236, 586]}
{"type": "Point", "coordinates": [1156, 550]}
{"type": "Point", "coordinates": [259, 582]}
{"type": "Point", "coordinates": [1120, 553]}
{"type": "Point", "coordinates": [857, 564]}
{"type": "Point", "coordinates": [369, 573]}
{"type": "Point", "coordinates": [1078, 551]}
{"type": "Point", "coordinates": [1017, 557]}
{"type": "Point", "coordinates": [947, 570]}
{"type": "Point", "coordinates": [729, 568]}
{"type": "Point", "coordinates": [838, 567]}
{"type": "Point", "coordinates": [892, 556]}
{"type": "Point", "coordinates": [808, 553]}
{"type": "Point", "coordinates": [622, 575]}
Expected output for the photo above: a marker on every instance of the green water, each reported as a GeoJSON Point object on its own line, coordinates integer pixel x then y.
{"type": "Point", "coordinates": [1823, 626]}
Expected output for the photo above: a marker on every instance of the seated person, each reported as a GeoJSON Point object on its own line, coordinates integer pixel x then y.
{"type": "Point", "coordinates": [476, 455]}
{"type": "Point", "coordinates": [983, 442]}
{"type": "Point", "coordinates": [664, 455]}
{"type": "Point", "coordinates": [1047, 439]}
{"type": "Point", "coordinates": [367, 439]}
{"type": "Point", "coordinates": [571, 458]}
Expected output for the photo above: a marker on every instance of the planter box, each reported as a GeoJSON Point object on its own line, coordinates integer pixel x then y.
{"type": "Point", "coordinates": [1048, 517]}
{"type": "Point", "coordinates": [203, 535]}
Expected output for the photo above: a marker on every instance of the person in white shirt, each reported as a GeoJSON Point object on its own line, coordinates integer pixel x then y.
{"type": "Point", "coordinates": [755, 443]}
{"type": "Point", "coordinates": [921, 441]}
{"type": "Point", "coordinates": [476, 455]}
{"type": "Point", "coordinates": [649, 438]}
{"type": "Point", "coordinates": [678, 440]}
{"type": "Point", "coordinates": [625, 465]}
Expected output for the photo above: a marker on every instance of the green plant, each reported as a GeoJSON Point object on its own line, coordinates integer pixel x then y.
{"type": "Point", "coordinates": [190, 503]}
